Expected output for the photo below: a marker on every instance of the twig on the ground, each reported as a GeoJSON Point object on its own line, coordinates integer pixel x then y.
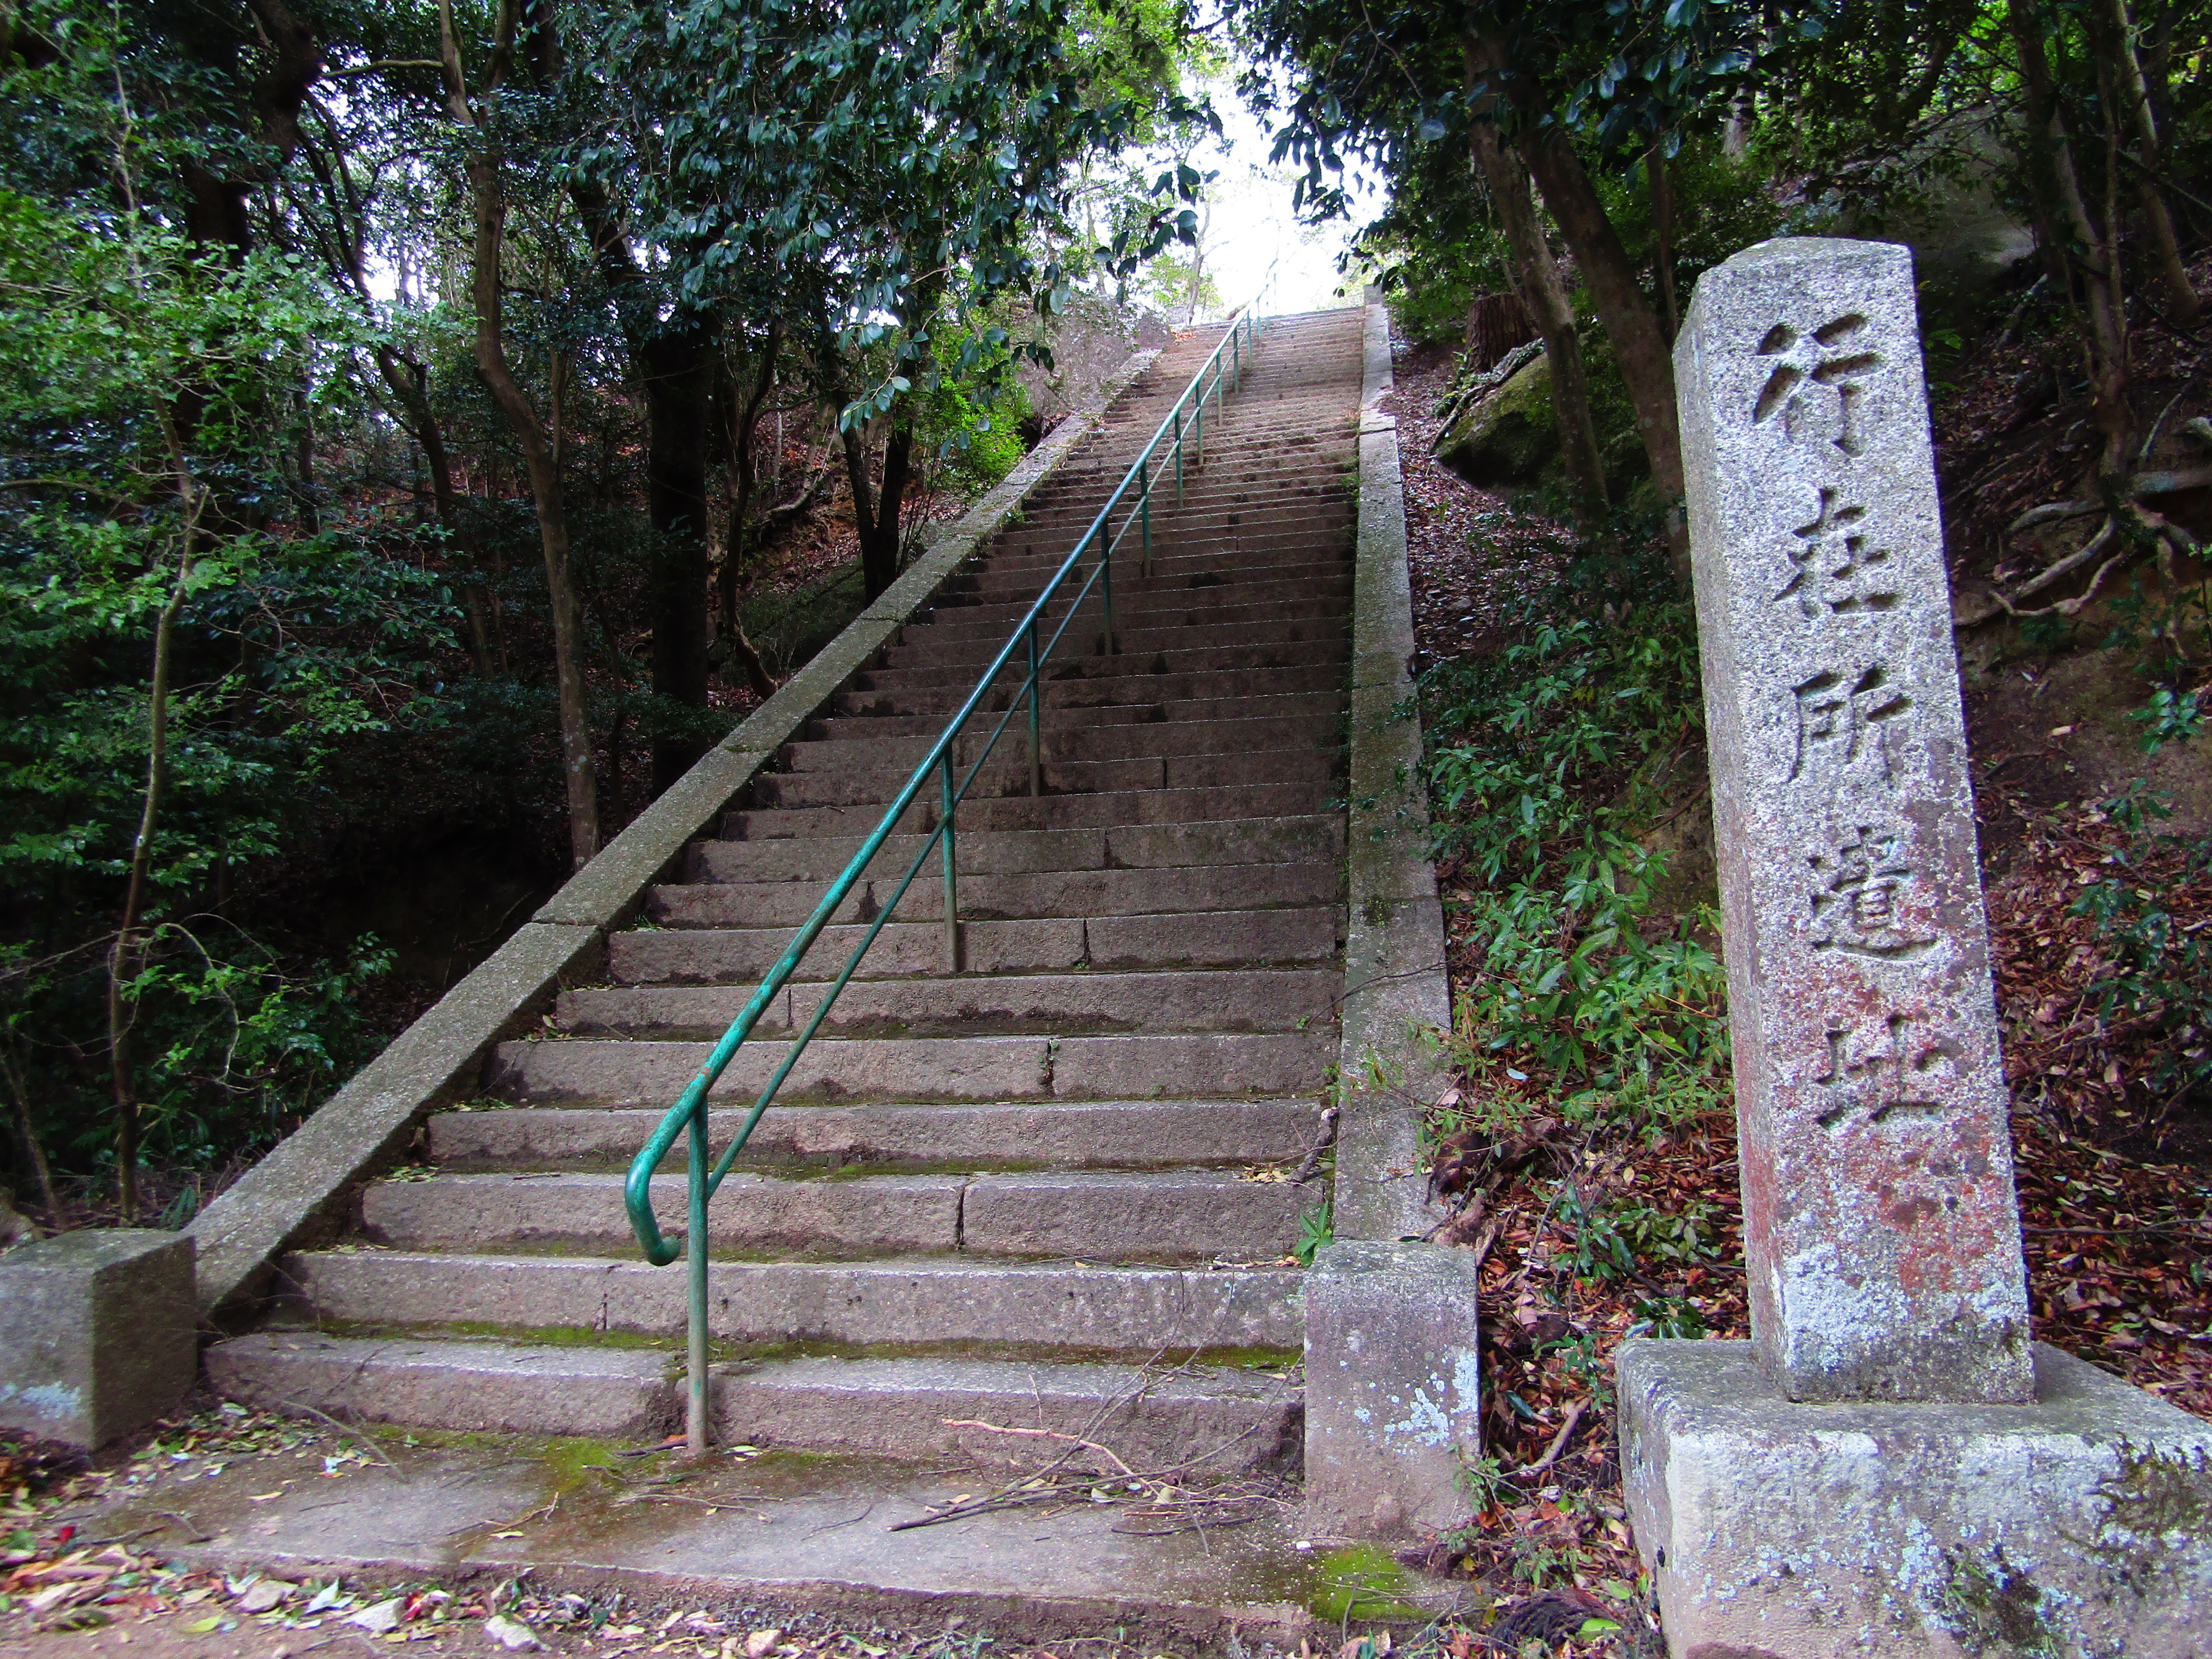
{"type": "Point", "coordinates": [361, 1435]}
{"type": "Point", "coordinates": [1560, 1440]}
{"type": "Point", "coordinates": [1324, 1138]}
{"type": "Point", "coordinates": [1045, 1434]}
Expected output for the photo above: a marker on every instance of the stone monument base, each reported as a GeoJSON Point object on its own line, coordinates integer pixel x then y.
{"type": "Point", "coordinates": [2079, 1527]}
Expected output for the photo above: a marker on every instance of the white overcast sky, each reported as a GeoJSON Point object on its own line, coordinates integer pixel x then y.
{"type": "Point", "coordinates": [1248, 219]}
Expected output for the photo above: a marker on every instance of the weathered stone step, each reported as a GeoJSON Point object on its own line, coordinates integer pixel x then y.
{"type": "Point", "coordinates": [972, 1005]}
{"type": "Point", "coordinates": [1316, 502]}
{"type": "Point", "coordinates": [857, 787]}
{"type": "Point", "coordinates": [1288, 840]}
{"type": "Point", "coordinates": [1265, 421]}
{"type": "Point", "coordinates": [1118, 1067]}
{"type": "Point", "coordinates": [1117, 741]}
{"type": "Point", "coordinates": [1211, 659]}
{"type": "Point", "coordinates": [1050, 534]}
{"type": "Point", "coordinates": [899, 1409]}
{"type": "Point", "coordinates": [1263, 428]}
{"type": "Point", "coordinates": [1264, 424]}
{"type": "Point", "coordinates": [1266, 495]}
{"type": "Point", "coordinates": [1138, 685]}
{"type": "Point", "coordinates": [1197, 565]}
{"type": "Point", "coordinates": [1208, 887]}
{"type": "Point", "coordinates": [1246, 474]}
{"type": "Point", "coordinates": [610, 1394]}
{"type": "Point", "coordinates": [1088, 639]}
{"type": "Point", "coordinates": [943, 1302]}
{"type": "Point", "coordinates": [1175, 1215]}
{"type": "Point", "coordinates": [1227, 1421]}
{"type": "Point", "coordinates": [1192, 608]}
{"type": "Point", "coordinates": [989, 812]}
{"type": "Point", "coordinates": [1219, 940]}
{"type": "Point", "coordinates": [1289, 704]}
{"type": "Point", "coordinates": [1328, 586]}
{"type": "Point", "coordinates": [1065, 1135]}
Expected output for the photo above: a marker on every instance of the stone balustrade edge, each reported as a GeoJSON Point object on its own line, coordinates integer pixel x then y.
{"type": "Point", "coordinates": [301, 1189]}
{"type": "Point", "coordinates": [1394, 982]}
{"type": "Point", "coordinates": [1392, 1367]}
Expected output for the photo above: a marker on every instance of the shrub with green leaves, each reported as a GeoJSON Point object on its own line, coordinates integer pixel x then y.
{"type": "Point", "coordinates": [1546, 761]}
{"type": "Point", "coordinates": [178, 672]}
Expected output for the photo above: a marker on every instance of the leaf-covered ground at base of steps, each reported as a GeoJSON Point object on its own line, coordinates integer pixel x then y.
{"type": "Point", "coordinates": [2117, 1214]}
{"type": "Point", "coordinates": [70, 1585]}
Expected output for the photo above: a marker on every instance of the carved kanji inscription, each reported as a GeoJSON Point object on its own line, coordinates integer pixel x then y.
{"type": "Point", "coordinates": [1861, 888]}
{"type": "Point", "coordinates": [1844, 724]}
{"type": "Point", "coordinates": [1879, 1067]}
{"type": "Point", "coordinates": [1840, 569]}
{"type": "Point", "coordinates": [1833, 357]}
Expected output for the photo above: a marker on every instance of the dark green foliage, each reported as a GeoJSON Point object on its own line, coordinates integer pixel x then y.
{"type": "Point", "coordinates": [287, 650]}
{"type": "Point", "coordinates": [1546, 761]}
{"type": "Point", "coordinates": [242, 429]}
{"type": "Point", "coordinates": [1719, 206]}
{"type": "Point", "coordinates": [870, 169]}
{"type": "Point", "coordinates": [2159, 971]}
{"type": "Point", "coordinates": [1434, 245]}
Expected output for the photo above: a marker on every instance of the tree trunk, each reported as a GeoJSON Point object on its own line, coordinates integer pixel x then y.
{"type": "Point", "coordinates": [126, 958]}
{"type": "Point", "coordinates": [877, 515]}
{"type": "Point", "coordinates": [483, 169]}
{"type": "Point", "coordinates": [2181, 301]}
{"type": "Point", "coordinates": [678, 366]}
{"type": "Point", "coordinates": [2051, 166]}
{"type": "Point", "coordinates": [33, 1153]}
{"type": "Point", "coordinates": [676, 362]}
{"type": "Point", "coordinates": [736, 549]}
{"type": "Point", "coordinates": [1495, 323]}
{"type": "Point", "coordinates": [1545, 295]}
{"type": "Point", "coordinates": [1646, 366]}
{"type": "Point", "coordinates": [1663, 225]}
{"type": "Point", "coordinates": [1638, 345]}
{"type": "Point", "coordinates": [405, 378]}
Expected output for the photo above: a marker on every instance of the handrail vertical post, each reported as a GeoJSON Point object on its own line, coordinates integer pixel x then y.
{"type": "Point", "coordinates": [952, 876]}
{"type": "Point", "coordinates": [1198, 424]}
{"type": "Point", "coordinates": [1106, 587]}
{"type": "Point", "coordinates": [1145, 508]}
{"type": "Point", "coordinates": [1236, 357]}
{"type": "Point", "coordinates": [1036, 720]}
{"type": "Point", "coordinates": [1178, 420]}
{"type": "Point", "coordinates": [696, 1430]}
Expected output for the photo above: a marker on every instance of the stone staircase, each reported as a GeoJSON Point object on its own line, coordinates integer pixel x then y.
{"type": "Point", "coordinates": [1021, 1193]}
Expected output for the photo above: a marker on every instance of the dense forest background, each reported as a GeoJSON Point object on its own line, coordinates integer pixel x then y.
{"type": "Point", "coordinates": [426, 427]}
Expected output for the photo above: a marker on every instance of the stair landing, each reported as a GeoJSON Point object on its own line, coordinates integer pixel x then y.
{"type": "Point", "coordinates": [777, 1531]}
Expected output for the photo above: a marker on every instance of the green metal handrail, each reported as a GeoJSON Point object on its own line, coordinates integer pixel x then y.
{"type": "Point", "coordinates": [688, 1115]}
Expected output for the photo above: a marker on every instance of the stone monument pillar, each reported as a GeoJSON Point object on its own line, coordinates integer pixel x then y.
{"type": "Point", "coordinates": [1880, 1223]}
{"type": "Point", "coordinates": [1888, 1466]}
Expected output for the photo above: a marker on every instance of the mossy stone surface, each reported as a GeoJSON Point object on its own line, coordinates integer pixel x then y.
{"type": "Point", "coordinates": [1508, 437]}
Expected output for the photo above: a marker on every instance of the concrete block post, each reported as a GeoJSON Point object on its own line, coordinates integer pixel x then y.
{"type": "Point", "coordinates": [1889, 1465]}
{"type": "Point", "coordinates": [97, 1333]}
{"type": "Point", "coordinates": [1393, 1388]}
